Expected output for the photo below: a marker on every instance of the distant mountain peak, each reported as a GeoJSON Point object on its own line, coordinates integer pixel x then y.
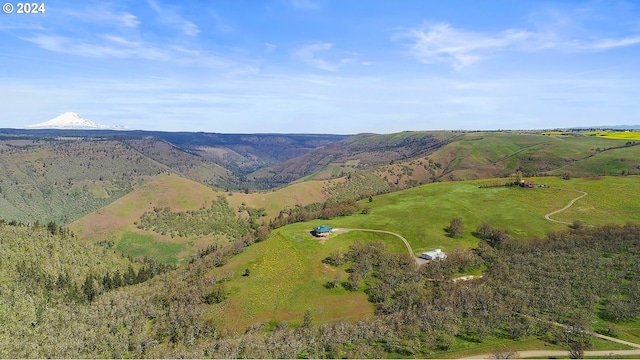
{"type": "Point", "coordinates": [72, 120]}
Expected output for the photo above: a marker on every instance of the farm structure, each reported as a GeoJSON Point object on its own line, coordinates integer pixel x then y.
{"type": "Point", "coordinates": [527, 184]}
{"type": "Point", "coordinates": [434, 254]}
{"type": "Point", "coordinates": [321, 231]}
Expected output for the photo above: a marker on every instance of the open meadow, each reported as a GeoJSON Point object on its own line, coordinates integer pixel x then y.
{"type": "Point", "coordinates": [287, 276]}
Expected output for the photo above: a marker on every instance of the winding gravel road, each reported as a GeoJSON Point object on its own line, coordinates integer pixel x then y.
{"type": "Point", "coordinates": [418, 260]}
{"type": "Point", "coordinates": [560, 353]}
{"type": "Point", "coordinates": [584, 193]}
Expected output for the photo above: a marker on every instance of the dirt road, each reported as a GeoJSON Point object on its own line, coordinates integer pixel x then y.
{"type": "Point", "coordinates": [560, 353]}
{"type": "Point", "coordinates": [565, 208]}
{"type": "Point", "coordinates": [418, 262]}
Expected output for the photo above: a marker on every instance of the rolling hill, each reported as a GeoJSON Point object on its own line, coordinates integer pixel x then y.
{"type": "Point", "coordinates": [63, 180]}
{"type": "Point", "coordinates": [115, 224]}
{"type": "Point", "coordinates": [150, 197]}
{"type": "Point", "coordinates": [411, 158]}
{"type": "Point", "coordinates": [364, 151]}
{"type": "Point", "coordinates": [36, 165]}
{"type": "Point", "coordinates": [62, 175]}
{"type": "Point", "coordinates": [212, 308]}
{"type": "Point", "coordinates": [501, 154]}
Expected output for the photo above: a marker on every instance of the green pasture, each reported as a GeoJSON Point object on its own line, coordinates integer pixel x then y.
{"type": "Point", "coordinates": [134, 244]}
{"type": "Point", "coordinates": [611, 162]}
{"type": "Point", "coordinates": [421, 214]}
{"type": "Point", "coordinates": [479, 155]}
{"type": "Point", "coordinates": [287, 278]}
{"type": "Point", "coordinates": [625, 330]}
{"type": "Point", "coordinates": [611, 199]}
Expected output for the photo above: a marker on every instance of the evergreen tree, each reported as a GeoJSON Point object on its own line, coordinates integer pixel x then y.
{"type": "Point", "coordinates": [88, 289]}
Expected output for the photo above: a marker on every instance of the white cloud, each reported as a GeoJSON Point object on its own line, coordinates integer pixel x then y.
{"type": "Point", "coordinates": [171, 17]}
{"type": "Point", "coordinates": [606, 44]}
{"type": "Point", "coordinates": [322, 102]}
{"type": "Point", "coordinates": [269, 47]}
{"type": "Point", "coordinates": [103, 14]}
{"type": "Point", "coordinates": [123, 18]}
{"type": "Point", "coordinates": [441, 43]}
{"type": "Point", "coordinates": [309, 55]}
{"type": "Point", "coordinates": [111, 46]}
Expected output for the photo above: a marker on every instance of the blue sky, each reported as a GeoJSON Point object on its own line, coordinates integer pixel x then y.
{"type": "Point", "coordinates": [322, 66]}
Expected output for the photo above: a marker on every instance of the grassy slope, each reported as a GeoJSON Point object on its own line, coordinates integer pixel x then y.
{"type": "Point", "coordinates": [420, 214]}
{"type": "Point", "coordinates": [610, 162]}
{"type": "Point", "coordinates": [115, 222]}
{"type": "Point", "coordinates": [286, 270]}
{"type": "Point", "coordinates": [287, 278]}
{"type": "Point", "coordinates": [478, 155]}
{"type": "Point", "coordinates": [301, 193]}
{"type": "Point", "coordinates": [610, 199]}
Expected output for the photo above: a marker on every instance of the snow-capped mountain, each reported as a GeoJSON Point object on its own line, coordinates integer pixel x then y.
{"type": "Point", "coordinates": [71, 120]}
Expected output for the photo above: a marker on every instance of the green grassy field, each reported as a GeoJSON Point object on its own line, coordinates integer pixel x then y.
{"type": "Point", "coordinates": [421, 214]}
{"type": "Point", "coordinates": [611, 162]}
{"type": "Point", "coordinates": [610, 199]}
{"type": "Point", "coordinates": [478, 155]}
{"type": "Point", "coordinates": [287, 278]}
{"type": "Point", "coordinates": [287, 275]}
{"type": "Point", "coordinates": [135, 245]}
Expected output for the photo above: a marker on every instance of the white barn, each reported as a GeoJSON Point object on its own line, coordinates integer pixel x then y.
{"type": "Point", "coordinates": [434, 254]}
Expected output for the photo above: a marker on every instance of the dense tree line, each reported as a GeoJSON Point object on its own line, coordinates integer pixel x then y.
{"type": "Point", "coordinates": [219, 218]}
{"type": "Point", "coordinates": [326, 210]}
{"type": "Point", "coordinates": [359, 185]}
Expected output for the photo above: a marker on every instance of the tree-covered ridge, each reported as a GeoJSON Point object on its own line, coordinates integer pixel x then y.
{"type": "Point", "coordinates": [43, 267]}
{"type": "Point", "coordinates": [35, 251]}
{"type": "Point", "coordinates": [219, 219]}
{"type": "Point", "coordinates": [62, 180]}
{"type": "Point", "coordinates": [100, 316]}
{"type": "Point", "coordinates": [326, 210]}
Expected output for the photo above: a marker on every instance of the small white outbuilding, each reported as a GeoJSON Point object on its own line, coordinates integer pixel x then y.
{"type": "Point", "coordinates": [434, 254]}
